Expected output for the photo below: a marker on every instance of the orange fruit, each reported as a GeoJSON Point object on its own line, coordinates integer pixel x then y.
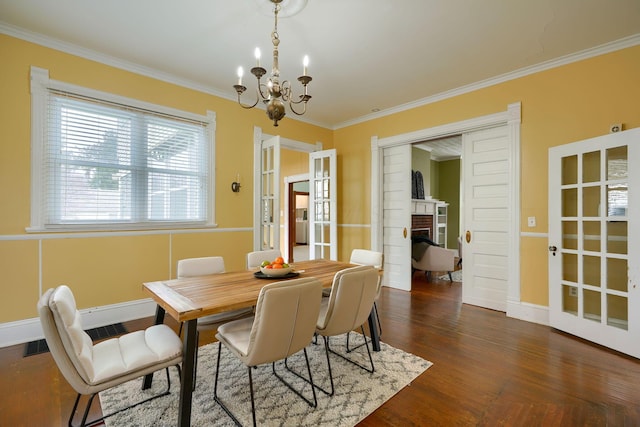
{"type": "Point", "coordinates": [275, 266]}
{"type": "Point", "coordinates": [279, 260]}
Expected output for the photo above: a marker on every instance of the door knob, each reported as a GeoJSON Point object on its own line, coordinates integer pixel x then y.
{"type": "Point", "coordinates": [553, 250]}
{"type": "Point", "coordinates": [404, 232]}
{"type": "Point", "coordinates": [468, 236]}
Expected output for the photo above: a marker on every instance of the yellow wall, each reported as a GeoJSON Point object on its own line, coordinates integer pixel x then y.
{"type": "Point", "coordinates": [105, 268]}
{"type": "Point", "coordinates": [559, 106]}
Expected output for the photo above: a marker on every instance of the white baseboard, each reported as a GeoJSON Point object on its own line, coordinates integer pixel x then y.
{"type": "Point", "coordinates": [529, 312]}
{"type": "Point", "coordinates": [23, 331]}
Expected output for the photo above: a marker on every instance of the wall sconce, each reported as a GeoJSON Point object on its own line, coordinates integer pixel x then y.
{"type": "Point", "coordinates": [235, 186]}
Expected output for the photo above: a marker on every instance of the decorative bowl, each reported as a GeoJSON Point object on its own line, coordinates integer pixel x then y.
{"type": "Point", "coordinates": [276, 272]}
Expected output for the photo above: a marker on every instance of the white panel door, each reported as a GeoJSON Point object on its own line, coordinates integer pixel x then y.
{"type": "Point", "coordinates": [323, 205]}
{"type": "Point", "coordinates": [396, 206]}
{"type": "Point", "coordinates": [270, 194]}
{"type": "Point", "coordinates": [487, 192]}
{"type": "Point", "coordinates": [593, 245]}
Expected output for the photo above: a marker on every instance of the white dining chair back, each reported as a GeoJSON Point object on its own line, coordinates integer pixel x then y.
{"type": "Point", "coordinates": [350, 302]}
{"type": "Point", "coordinates": [204, 266]}
{"type": "Point", "coordinates": [284, 324]}
{"type": "Point", "coordinates": [367, 257]}
{"type": "Point", "coordinates": [254, 259]}
{"type": "Point", "coordinates": [374, 259]}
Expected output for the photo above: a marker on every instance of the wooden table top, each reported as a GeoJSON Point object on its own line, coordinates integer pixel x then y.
{"type": "Point", "coordinates": [189, 298]}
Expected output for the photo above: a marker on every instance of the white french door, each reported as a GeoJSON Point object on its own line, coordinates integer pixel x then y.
{"type": "Point", "coordinates": [593, 242]}
{"type": "Point", "coordinates": [487, 217]}
{"type": "Point", "coordinates": [270, 194]}
{"type": "Point", "coordinates": [396, 207]}
{"type": "Point", "coordinates": [323, 210]}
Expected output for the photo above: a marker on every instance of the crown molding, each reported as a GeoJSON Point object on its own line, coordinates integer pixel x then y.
{"type": "Point", "coordinates": [93, 55]}
{"type": "Point", "coordinates": [522, 72]}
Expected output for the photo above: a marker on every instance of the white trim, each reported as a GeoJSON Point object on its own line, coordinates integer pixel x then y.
{"type": "Point", "coordinates": [532, 234]}
{"type": "Point", "coordinates": [377, 243]}
{"type": "Point", "coordinates": [514, 113]}
{"type": "Point", "coordinates": [22, 331]}
{"type": "Point", "coordinates": [40, 87]}
{"type": "Point", "coordinates": [512, 118]}
{"type": "Point", "coordinates": [288, 180]}
{"type": "Point", "coordinates": [190, 84]}
{"type": "Point", "coordinates": [257, 186]}
{"type": "Point", "coordinates": [528, 312]}
{"type": "Point", "coordinates": [502, 78]}
{"type": "Point", "coordinates": [355, 225]}
{"type": "Point", "coordinates": [113, 61]}
{"type": "Point", "coordinates": [92, 235]}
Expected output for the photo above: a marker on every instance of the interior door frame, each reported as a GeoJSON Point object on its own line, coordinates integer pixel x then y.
{"type": "Point", "coordinates": [288, 218]}
{"type": "Point", "coordinates": [285, 143]}
{"type": "Point", "coordinates": [512, 118]}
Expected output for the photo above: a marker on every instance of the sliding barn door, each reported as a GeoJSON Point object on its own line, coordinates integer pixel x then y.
{"type": "Point", "coordinates": [396, 206]}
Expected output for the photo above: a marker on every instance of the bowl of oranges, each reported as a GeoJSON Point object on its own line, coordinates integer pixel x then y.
{"type": "Point", "coordinates": [275, 268]}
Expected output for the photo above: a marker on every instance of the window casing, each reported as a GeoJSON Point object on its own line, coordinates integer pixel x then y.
{"type": "Point", "coordinates": [106, 162]}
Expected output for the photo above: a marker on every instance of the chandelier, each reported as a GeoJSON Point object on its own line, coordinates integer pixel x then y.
{"type": "Point", "coordinates": [273, 93]}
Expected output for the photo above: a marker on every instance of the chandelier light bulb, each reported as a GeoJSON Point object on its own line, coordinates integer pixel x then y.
{"type": "Point", "coordinates": [258, 54]}
{"type": "Point", "coordinates": [240, 74]}
{"type": "Point", "coordinates": [305, 64]}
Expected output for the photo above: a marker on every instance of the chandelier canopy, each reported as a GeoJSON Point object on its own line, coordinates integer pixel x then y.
{"type": "Point", "coordinates": [273, 93]}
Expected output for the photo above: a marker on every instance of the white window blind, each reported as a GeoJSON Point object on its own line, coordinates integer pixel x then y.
{"type": "Point", "coordinates": [106, 163]}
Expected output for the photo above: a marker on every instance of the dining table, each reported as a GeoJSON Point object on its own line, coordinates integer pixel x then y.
{"type": "Point", "coordinates": [187, 299]}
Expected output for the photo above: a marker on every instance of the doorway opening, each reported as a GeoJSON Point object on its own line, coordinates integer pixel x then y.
{"type": "Point", "coordinates": [298, 221]}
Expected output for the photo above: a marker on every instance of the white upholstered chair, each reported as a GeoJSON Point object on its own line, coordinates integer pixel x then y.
{"type": "Point", "coordinates": [254, 259]}
{"type": "Point", "coordinates": [91, 368]}
{"type": "Point", "coordinates": [284, 323]}
{"type": "Point", "coordinates": [353, 293]}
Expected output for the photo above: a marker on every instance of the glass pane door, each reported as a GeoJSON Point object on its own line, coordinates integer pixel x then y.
{"type": "Point", "coordinates": [592, 284]}
{"type": "Point", "coordinates": [270, 194]}
{"type": "Point", "coordinates": [323, 222]}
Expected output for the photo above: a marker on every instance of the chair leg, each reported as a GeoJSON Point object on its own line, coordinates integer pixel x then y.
{"type": "Point", "coordinates": [100, 420]}
{"type": "Point", "coordinates": [375, 308]}
{"type": "Point", "coordinates": [308, 381]}
{"type": "Point", "coordinates": [366, 342]}
{"type": "Point", "coordinates": [450, 278]}
{"type": "Point", "coordinates": [215, 390]}
{"type": "Point", "coordinates": [253, 403]}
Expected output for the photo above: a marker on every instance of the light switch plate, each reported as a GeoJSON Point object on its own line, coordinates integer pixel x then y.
{"type": "Point", "coordinates": [531, 221]}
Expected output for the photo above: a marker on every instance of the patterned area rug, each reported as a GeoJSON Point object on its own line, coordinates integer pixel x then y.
{"type": "Point", "coordinates": [358, 393]}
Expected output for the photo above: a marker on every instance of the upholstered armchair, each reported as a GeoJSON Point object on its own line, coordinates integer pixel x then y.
{"type": "Point", "coordinates": [430, 258]}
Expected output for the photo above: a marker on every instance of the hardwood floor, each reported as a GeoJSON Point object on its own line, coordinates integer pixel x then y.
{"type": "Point", "coordinates": [488, 370]}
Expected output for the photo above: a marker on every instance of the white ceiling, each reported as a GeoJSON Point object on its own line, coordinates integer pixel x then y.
{"type": "Point", "coordinates": [365, 55]}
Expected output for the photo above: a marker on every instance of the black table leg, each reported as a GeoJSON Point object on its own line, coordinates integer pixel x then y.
{"type": "Point", "coordinates": [373, 328]}
{"type": "Point", "coordinates": [148, 379]}
{"type": "Point", "coordinates": [188, 362]}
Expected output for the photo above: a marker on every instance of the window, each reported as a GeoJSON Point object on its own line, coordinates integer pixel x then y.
{"type": "Point", "coordinates": [108, 162]}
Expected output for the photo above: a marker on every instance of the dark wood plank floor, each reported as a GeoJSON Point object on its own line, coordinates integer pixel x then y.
{"type": "Point", "coordinates": [489, 370]}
